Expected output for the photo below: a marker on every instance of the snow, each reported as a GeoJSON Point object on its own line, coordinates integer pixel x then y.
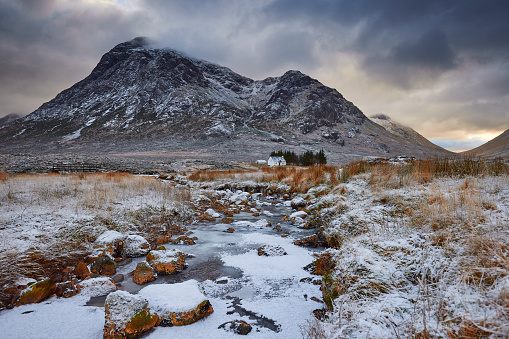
{"type": "Point", "coordinates": [173, 298]}
{"type": "Point", "coordinates": [54, 318]}
{"type": "Point", "coordinates": [299, 214]}
{"type": "Point", "coordinates": [95, 287]}
{"type": "Point", "coordinates": [74, 135]}
{"type": "Point", "coordinates": [109, 237]}
{"type": "Point", "coordinates": [212, 213]}
{"type": "Point", "coordinates": [133, 246]}
{"type": "Point", "coordinates": [124, 306]}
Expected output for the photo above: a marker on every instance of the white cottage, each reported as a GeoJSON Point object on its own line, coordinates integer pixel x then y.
{"type": "Point", "coordinates": [276, 161]}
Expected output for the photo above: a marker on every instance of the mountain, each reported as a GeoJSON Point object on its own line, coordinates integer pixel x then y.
{"type": "Point", "coordinates": [403, 131]}
{"type": "Point", "coordinates": [497, 147]}
{"type": "Point", "coordinates": [144, 99]}
{"type": "Point", "coordinates": [8, 118]}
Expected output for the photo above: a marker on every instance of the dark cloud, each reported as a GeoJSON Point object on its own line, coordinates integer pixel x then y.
{"type": "Point", "coordinates": [440, 61]}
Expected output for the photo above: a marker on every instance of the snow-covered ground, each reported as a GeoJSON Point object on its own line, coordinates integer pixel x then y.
{"type": "Point", "coordinates": [423, 258]}
{"type": "Point", "coordinates": [411, 259]}
{"type": "Point", "coordinates": [265, 291]}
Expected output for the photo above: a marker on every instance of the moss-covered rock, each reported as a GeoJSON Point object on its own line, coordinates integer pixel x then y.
{"type": "Point", "coordinates": [81, 271]}
{"type": "Point", "coordinates": [144, 273]}
{"type": "Point", "coordinates": [177, 304]}
{"type": "Point", "coordinates": [103, 265]}
{"type": "Point", "coordinates": [167, 261]}
{"type": "Point", "coordinates": [127, 316]}
{"type": "Point", "coordinates": [37, 292]}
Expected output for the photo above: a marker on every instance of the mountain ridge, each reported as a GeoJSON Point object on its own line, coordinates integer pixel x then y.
{"type": "Point", "coordinates": [496, 147]}
{"type": "Point", "coordinates": [138, 93]}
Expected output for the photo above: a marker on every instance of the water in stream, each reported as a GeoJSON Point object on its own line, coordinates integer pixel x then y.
{"type": "Point", "coordinates": [266, 292]}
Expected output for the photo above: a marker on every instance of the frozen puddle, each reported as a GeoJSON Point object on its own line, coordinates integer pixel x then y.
{"type": "Point", "coordinates": [264, 291]}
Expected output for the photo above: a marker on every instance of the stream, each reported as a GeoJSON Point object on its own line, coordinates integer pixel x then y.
{"type": "Point", "coordinates": [271, 293]}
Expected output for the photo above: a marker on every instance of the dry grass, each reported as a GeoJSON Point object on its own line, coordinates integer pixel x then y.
{"type": "Point", "coordinates": [49, 221]}
{"type": "Point", "coordinates": [300, 179]}
{"type": "Point", "coordinates": [391, 175]}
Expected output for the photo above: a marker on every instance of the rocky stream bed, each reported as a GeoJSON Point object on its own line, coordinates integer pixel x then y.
{"type": "Point", "coordinates": [244, 263]}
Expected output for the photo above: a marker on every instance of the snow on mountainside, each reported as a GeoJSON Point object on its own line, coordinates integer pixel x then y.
{"type": "Point", "coordinates": [402, 130]}
{"type": "Point", "coordinates": [138, 97]}
{"type": "Point", "coordinates": [8, 118]}
{"type": "Point", "coordinates": [497, 147]}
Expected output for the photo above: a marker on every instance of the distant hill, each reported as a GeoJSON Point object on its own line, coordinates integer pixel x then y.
{"type": "Point", "coordinates": [8, 118]}
{"type": "Point", "coordinates": [497, 147]}
{"type": "Point", "coordinates": [139, 99]}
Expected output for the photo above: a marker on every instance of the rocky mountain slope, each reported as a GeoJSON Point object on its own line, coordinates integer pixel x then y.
{"type": "Point", "coordinates": [403, 131]}
{"type": "Point", "coordinates": [8, 118]}
{"type": "Point", "coordinates": [140, 99]}
{"type": "Point", "coordinates": [497, 147]}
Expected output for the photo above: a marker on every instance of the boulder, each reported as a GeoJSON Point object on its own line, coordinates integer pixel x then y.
{"type": "Point", "coordinates": [311, 241]}
{"type": "Point", "coordinates": [144, 273]}
{"type": "Point", "coordinates": [271, 251]}
{"type": "Point", "coordinates": [211, 213]}
{"type": "Point", "coordinates": [96, 287]}
{"type": "Point", "coordinates": [298, 202]}
{"type": "Point", "coordinates": [167, 261]}
{"type": "Point", "coordinates": [103, 265]}
{"type": "Point", "coordinates": [229, 230]}
{"type": "Point", "coordinates": [37, 292]}
{"type": "Point", "coordinates": [66, 289]}
{"type": "Point", "coordinates": [177, 304]}
{"type": "Point", "coordinates": [81, 271]}
{"type": "Point", "coordinates": [237, 327]}
{"type": "Point", "coordinates": [298, 214]}
{"type": "Point", "coordinates": [127, 316]}
{"type": "Point", "coordinates": [183, 240]}
{"type": "Point", "coordinates": [111, 242]}
{"type": "Point", "coordinates": [135, 246]}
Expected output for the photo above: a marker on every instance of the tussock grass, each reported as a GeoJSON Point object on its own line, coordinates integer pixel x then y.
{"type": "Point", "coordinates": [49, 221]}
{"type": "Point", "coordinates": [300, 179]}
{"type": "Point", "coordinates": [422, 250]}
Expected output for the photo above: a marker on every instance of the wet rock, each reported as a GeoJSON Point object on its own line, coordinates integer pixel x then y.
{"type": "Point", "coordinates": [118, 278]}
{"type": "Point", "coordinates": [226, 220]}
{"type": "Point", "coordinates": [135, 246]}
{"type": "Point", "coordinates": [144, 273]}
{"type": "Point", "coordinates": [183, 240]}
{"type": "Point", "coordinates": [229, 230]}
{"type": "Point", "coordinates": [237, 327]}
{"type": "Point", "coordinates": [11, 295]}
{"type": "Point", "coordinates": [177, 304]}
{"type": "Point", "coordinates": [271, 251]}
{"type": "Point", "coordinates": [111, 242]}
{"type": "Point", "coordinates": [103, 265]}
{"type": "Point", "coordinates": [162, 239]}
{"type": "Point", "coordinates": [37, 292]}
{"type": "Point", "coordinates": [311, 241]}
{"type": "Point", "coordinates": [81, 271]}
{"type": "Point", "coordinates": [167, 262]}
{"type": "Point", "coordinates": [228, 213]}
{"type": "Point", "coordinates": [127, 316]}
{"type": "Point", "coordinates": [66, 289]}
{"type": "Point", "coordinates": [278, 228]}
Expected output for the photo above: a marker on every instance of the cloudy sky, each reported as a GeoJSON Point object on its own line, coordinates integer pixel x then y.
{"type": "Point", "coordinates": [438, 66]}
